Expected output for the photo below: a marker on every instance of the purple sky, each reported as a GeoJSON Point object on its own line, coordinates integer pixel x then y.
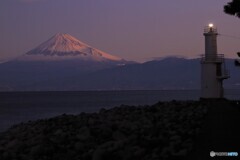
{"type": "Point", "coordinates": [132, 29]}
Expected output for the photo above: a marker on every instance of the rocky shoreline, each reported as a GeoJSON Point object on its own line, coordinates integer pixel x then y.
{"type": "Point", "coordinates": [166, 130]}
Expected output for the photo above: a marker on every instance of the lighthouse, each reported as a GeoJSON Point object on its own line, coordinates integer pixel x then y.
{"type": "Point", "coordinates": [213, 69]}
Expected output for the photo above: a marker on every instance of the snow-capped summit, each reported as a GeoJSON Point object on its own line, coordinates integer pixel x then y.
{"type": "Point", "coordinates": [64, 46]}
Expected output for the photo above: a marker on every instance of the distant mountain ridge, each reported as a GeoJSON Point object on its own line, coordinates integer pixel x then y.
{"type": "Point", "coordinates": [65, 63]}
{"type": "Point", "coordinates": [168, 73]}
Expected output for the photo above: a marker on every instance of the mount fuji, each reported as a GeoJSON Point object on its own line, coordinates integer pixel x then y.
{"type": "Point", "coordinates": [58, 59]}
{"type": "Point", "coordinates": [66, 47]}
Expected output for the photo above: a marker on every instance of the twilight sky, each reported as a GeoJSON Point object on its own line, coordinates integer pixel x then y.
{"type": "Point", "coordinates": [132, 29]}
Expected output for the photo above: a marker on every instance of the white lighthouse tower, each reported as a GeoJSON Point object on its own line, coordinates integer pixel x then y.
{"type": "Point", "coordinates": [213, 70]}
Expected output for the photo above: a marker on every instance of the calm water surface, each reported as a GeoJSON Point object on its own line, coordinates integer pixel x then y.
{"type": "Point", "coordinates": [16, 107]}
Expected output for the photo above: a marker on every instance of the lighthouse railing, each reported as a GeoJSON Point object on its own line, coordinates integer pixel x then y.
{"type": "Point", "coordinates": [217, 58]}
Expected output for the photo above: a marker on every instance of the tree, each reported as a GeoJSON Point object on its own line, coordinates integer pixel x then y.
{"type": "Point", "coordinates": [233, 8]}
{"type": "Point", "coordinates": [237, 61]}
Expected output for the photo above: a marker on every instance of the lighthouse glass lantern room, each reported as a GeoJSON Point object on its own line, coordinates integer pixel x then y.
{"type": "Point", "coordinates": [213, 70]}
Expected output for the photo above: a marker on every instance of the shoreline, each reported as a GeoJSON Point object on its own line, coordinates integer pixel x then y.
{"type": "Point", "coordinates": [128, 131]}
{"type": "Point", "coordinates": [165, 130]}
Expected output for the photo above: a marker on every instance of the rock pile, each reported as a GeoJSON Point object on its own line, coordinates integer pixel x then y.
{"type": "Point", "coordinates": [165, 130]}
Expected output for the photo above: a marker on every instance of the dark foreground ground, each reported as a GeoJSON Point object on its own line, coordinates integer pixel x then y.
{"type": "Point", "coordinates": [220, 131]}
{"type": "Point", "coordinates": [165, 131]}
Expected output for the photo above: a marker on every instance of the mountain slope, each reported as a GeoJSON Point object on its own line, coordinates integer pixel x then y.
{"type": "Point", "coordinates": [65, 47]}
{"type": "Point", "coordinates": [168, 73]}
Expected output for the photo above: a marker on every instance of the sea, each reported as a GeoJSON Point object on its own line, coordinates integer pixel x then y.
{"type": "Point", "coordinates": [18, 107]}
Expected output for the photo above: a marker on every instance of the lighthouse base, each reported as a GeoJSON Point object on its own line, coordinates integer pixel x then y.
{"type": "Point", "coordinates": [211, 86]}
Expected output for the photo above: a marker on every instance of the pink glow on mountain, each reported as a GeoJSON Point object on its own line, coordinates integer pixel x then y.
{"type": "Point", "coordinates": [64, 46]}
